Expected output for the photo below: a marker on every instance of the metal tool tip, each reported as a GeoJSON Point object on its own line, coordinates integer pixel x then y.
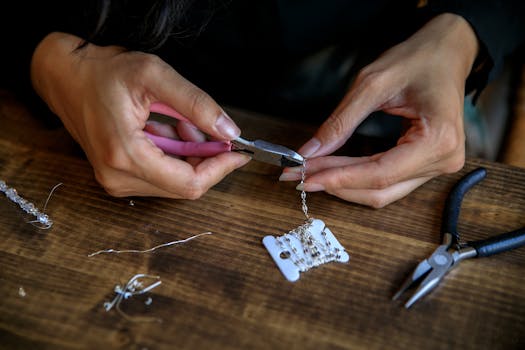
{"type": "Point", "coordinates": [410, 302]}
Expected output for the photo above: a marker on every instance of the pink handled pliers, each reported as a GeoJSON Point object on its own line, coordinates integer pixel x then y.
{"type": "Point", "coordinates": [259, 150]}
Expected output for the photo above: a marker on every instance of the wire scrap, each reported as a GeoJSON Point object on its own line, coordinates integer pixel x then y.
{"type": "Point", "coordinates": [108, 251]}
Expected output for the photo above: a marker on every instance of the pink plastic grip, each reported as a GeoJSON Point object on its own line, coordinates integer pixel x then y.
{"type": "Point", "coordinates": [189, 149]}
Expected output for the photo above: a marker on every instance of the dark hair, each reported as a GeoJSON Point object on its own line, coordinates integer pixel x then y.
{"type": "Point", "coordinates": [146, 25]}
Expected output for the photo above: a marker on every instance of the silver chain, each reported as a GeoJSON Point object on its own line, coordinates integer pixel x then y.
{"type": "Point", "coordinates": [306, 250]}
{"type": "Point", "coordinates": [303, 192]}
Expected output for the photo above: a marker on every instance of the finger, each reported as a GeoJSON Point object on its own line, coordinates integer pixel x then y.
{"type": "Point", "coordinates": [121, 184]}
{"type": "Point", "coordinates": [183, 131]}
{"type": "Point", "coordinates": [368, 93]}
{"type": "Point", "coordinates": [401, 163]}
{"type": "Point", "coordinates": [161, 129]}
{"type": "Point", "coordinates": [322, 163]}
{"type": "Point", "coordinates": [171, 88]}
{"type": "Point", "coordinates": [189, 132]}
{"type": "Point", "coordinates": [194, 161]}
{"type": "Point", "coordinates": [383, 197]}
{"type": "Point", "coordinates": [179, 177]}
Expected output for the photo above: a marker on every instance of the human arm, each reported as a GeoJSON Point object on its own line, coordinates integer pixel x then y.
{"type": "Point", "coordinates": [103, 94]}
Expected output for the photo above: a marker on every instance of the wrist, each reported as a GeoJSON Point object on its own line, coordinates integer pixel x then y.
{"type": "Point", "coordinates": [458, 38]}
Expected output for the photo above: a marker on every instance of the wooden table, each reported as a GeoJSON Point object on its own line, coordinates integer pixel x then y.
{"type": "Point", "coordinates": [222, 291]}
{"type": "Point", "coordinates": [513, 148]}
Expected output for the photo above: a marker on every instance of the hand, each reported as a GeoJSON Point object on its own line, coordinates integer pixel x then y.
{"type": "Point", "coordinates": [103, 94]}
{"type": "Point", "coordinates": [423, 80]}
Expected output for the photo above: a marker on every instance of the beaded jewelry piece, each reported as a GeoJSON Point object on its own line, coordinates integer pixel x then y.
{"type": "Point", "coordinates": [42, 220]}
{"type": "Point", "coordinates": [133, 287]}
{"type": "Point", "coordinates": [307, 246]}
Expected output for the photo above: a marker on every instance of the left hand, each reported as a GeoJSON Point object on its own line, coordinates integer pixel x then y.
{"type": "Point", "coordinates": [421, 79]}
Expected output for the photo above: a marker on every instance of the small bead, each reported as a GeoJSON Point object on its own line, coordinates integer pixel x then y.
{"type": "Point", "coordinates": [11, 193]}
{"type": "Point", "coordinates": [42, 218]}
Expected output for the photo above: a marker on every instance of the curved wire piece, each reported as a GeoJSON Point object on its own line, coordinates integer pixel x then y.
{"type": "Point", "coordinates": [132, 288]}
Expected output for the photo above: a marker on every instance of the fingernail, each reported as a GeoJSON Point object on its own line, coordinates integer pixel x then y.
{"type": "Point", "coordinates": [226, 127]}
{"type": "Point", "coordinates": [309, 187]}
{"type": "Point", "coordinates": [288, 176]}
{"type": "Point", "coordinates": [293, 170]}
{"type": "Point", "coordinates": [245, 159]}
{"type": "Point", "coordinates": [310, 147]}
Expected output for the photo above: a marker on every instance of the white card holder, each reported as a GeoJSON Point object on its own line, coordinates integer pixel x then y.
{"type": "Point", "coordinates": [293, 257]}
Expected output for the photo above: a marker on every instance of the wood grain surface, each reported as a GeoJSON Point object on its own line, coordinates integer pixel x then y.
{"type": "Point", "coordinates": [223, 291]}
{"type": "Point", "coordinates": [513, 152]}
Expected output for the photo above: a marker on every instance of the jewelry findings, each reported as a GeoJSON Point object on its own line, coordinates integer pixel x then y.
{"type": "Point", "coordinates": [132, 288]}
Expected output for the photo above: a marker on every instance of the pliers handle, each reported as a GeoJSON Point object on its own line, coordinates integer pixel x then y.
{"type": "Point", "coordinates": [167, 115]}
{"type": "Point", "coordinates": [487, 247]}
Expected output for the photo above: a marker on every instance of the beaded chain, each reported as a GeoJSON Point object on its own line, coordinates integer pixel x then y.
{"type": "Point", "coordinates": [314, 252]}
{"type": "Point", "coordinates": [41, 218]}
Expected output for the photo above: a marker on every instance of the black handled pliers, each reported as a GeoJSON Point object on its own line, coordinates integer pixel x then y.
{"type": "Point", "coordinates": [450, 252]}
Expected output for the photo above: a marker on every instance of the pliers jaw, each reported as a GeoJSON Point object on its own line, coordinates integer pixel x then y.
{"type": "Point", "coordinates": [268, 152]}
{"type": "Point", "coordinates": [442, 260]}
{"type": "Point", "coordinates": [434, 268]}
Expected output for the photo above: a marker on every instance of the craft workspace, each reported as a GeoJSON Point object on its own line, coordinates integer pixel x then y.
{"type": "Point", "coordinates": [222, 289]}
{"type": "Point", "coordinates": [287, 193]}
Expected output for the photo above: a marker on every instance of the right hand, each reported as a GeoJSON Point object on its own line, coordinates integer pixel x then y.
{"type": "Point", "coordinates": [103, 95]}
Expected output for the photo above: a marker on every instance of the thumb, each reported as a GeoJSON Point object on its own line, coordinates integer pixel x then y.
{"type": "Point", "coordinates": [181, 97]}
{"type": "Point", "coordinates": [226, 128]}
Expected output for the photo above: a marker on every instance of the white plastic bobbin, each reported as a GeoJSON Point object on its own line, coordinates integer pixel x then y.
{"type": "Point", "coordinates": [291, 258]}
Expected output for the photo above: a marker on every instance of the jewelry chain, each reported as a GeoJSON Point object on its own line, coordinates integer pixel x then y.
{"type": "Point", "coordinates": [303, 192]}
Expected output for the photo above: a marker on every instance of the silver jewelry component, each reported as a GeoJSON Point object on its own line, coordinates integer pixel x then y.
{"type": "Point", "coordinates": [43, 220]}
{"type": "Point", "coordinates": [303, 192]}
{"type": "Point", "coordinates": [307, 246]}
{"type": "Point", "coordinates": [133, 287]}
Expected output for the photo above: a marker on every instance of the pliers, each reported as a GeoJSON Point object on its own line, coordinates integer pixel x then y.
{"type": "Point", "coordinates": [259, 150]}
{"type": "Point", "coordinates": [451, 252]}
